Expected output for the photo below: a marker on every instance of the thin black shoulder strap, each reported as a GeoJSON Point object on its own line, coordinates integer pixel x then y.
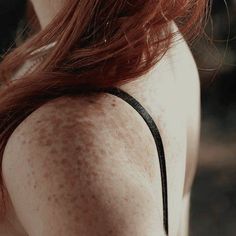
{"type": "Point", "coordinates": [158, 141]}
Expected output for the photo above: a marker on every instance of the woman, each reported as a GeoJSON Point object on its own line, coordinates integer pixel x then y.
{"type": "Point", "coordinates": [78, 157]}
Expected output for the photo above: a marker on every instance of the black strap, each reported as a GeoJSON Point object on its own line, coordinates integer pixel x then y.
{"type": "Point", "coordinates": [159, 144]}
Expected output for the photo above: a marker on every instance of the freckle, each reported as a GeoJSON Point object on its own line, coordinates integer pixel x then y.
{"type": "Point", "coordinates": [86, 211]}
{"type": "Point", "coordinates": [22, 133]}
{"type": "Point", "coordinates": [42, 131]}
{"type": "Point", "coordinates": [48, 142]}
{"type": "Point", "coordinates": [73, 199]}
{"type": "Point", "coordinates": [37, 209]}
{"type": "Point", "coordinates": [55, 161]}
{"type": "Point", "coordinates": [94, 174]}
{"type": "Point", "coordinates": [69, 118]}
{"type": "Point", "coordinates": [90, 101]}
{"type": "Point", "coordinates": [56, 120]}
{"type": "Point", "coordinates": [55, 198]}
{"type": "Point", "coordinates": [35, 186]}
{"type": "Point", "coordinates": [126, 199]}
{"type": "Point", "coordinates": [53, 151]}
{"type": "Point", "coordinates": [30, 141]}
{"type": "Point", "coordinates": [72, 183]}
{"type": "Point", "coordinates": [113, 104]}
{"type": "Point", "coordinates": [66, 141]}
{"type": "Point", "coordinates": [65, 149]}
{"type": "Point", "coordinates": [61, 185]}
{"type": "Point", "coordinates": [49, 198]}
{"type": "Point", "coordinates": [102, 152]}
{"type": "Point", "coordinates": [68, 126]}
{"type": "Point", "coordinates": [64, 161]}
{"type": "Point", "coordinates": [88, 181]}
{"type": "Point", "coordinates": [79, 162]}
{"type": "Point", "coordinates": [46, 175]}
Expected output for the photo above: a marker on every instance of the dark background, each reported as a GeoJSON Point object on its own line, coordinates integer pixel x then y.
{"type": "Point", "coordinates": [11, 11]}
{"type": "Point", "coordinates": [213, 210]}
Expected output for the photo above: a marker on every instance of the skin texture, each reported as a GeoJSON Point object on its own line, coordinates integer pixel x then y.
{"type": "Point", "coordinates": [85, 180]}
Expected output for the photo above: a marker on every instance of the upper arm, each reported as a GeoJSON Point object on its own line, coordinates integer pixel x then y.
{"type": "Point", "coordinates": [69, 172]}
{"type": "Point", "coordinates": [186, 73]}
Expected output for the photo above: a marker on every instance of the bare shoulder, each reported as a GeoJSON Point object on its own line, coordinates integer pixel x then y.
{"type": "Point", "coordinates": [71, 163]}
{"type": "Point", "coordinates": [95, 121]}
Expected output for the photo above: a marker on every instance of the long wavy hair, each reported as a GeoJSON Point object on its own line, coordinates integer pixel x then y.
{"type": "Point", "coordinates": [98, 44]}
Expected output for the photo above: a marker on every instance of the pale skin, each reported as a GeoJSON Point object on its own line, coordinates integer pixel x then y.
{"type": "Point", "coordinates": [46, 10]}
{"type": "Point", "coordinates": [88, 166]}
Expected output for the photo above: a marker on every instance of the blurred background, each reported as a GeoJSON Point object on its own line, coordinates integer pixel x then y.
{"type": "Point", "coordinates": [213, 210]}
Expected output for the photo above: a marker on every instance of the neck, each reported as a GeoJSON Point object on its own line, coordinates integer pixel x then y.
{"type": "Point", "coordinates": [46, 10]}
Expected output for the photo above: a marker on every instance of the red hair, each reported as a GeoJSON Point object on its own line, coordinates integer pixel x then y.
{"type": "Point", "coordinates": [99, 44]}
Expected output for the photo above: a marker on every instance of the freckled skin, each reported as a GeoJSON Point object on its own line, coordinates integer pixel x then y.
{"type": "Point", "coordinates": [53, 150]}
{"type": "Point", "coordinates": [83, 182]}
